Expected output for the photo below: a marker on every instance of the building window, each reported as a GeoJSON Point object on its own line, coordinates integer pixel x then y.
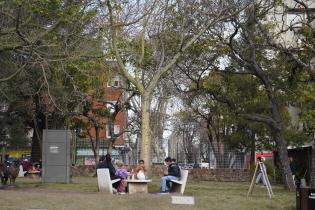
{"type": "Point", "coordinates": [111, 106]}
{"type": "Point", "coordinates": [294, 20]}
{"type": "Point", "coordinates": [115, 82]}
{"type": "Point", "coordinates": [116, 130]}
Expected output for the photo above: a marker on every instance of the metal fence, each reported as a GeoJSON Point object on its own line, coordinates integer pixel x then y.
{"type": "Point", "coordinates": [228, 158]}
{"type": "Point", "coordinates": [82, 154]}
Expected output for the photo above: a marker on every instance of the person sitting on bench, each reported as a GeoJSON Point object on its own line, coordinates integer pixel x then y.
{"type": "Point", "coordinates": [173, 173]}
{"type": "Point", "coordinates": [106, 162]}
{"type": "Point", "coordinates": [140, 171]}
{"type": "Point", "coordinates": [123, 173]}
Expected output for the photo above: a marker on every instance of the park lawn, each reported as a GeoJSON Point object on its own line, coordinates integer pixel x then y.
{"type": "Point", "coordinates": [82, 194]}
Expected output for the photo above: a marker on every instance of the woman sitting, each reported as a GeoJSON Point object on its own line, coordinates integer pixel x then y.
{"type": "Point", "coordinates": [140, 171]}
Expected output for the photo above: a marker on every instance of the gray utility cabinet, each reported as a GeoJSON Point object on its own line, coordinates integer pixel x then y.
{"type": "Point", "coordinates": [56, 156]}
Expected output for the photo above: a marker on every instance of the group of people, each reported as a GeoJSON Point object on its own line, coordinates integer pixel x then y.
{"type": "Point", "coordinates": [29, 166]}
{"type": "Point", "coordinates": [122, 172]}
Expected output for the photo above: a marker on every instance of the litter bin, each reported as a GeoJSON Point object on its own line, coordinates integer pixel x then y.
{"type": "Point", "coordinates": [298, 198]}
{"type": "Point", "coordinates": [302, 195]}
{"type": "Point", "coordinates": [311, 199]}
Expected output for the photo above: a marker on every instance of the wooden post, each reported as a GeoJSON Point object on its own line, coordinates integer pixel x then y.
{"type": "Point", "coordinates": [264, 177]}
{"type": "Point", "coordinates": [251, 187]}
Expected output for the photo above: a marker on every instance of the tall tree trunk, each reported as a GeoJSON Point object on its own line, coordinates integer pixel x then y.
{"type": "Point", "coordinates": [278, 132]}
{"type": "Point", "coordinates": [252, 153]}
{"type": "Point", "coordinates": [275, 122]}
{"type": "Point", "coordinates": [145, 130]}
{"type": "Point", "coordinates": [217, 146]}
{"type": "Point", "coordinates": [38, 126]}
{"type": "Point", "coordinates": [36, 152]}
{"type": "Point", "coordinates": [110, 147]}
{"type": "Point", "coordinates": [112, 138]}
{"type": "Point", "coordinates": [157, 128]}
{"type": "Point", "coordinates": [284, 160]}
{"type": "Point", "coordinates": [95, 144]}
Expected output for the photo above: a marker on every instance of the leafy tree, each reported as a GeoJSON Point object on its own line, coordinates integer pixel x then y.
{"type": "Point", "coordinates": [39, 42]}
{"type": "Point", "coordinates": [253, 60]}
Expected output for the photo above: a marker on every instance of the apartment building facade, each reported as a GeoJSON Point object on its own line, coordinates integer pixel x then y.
{"type": "Point", "coordinates": [114, 94]}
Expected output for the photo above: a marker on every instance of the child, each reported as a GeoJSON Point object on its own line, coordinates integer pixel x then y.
{"type": "Point", "coordinates": [123, 173]}
{"type": "Point", "coordinates": [140, 170]}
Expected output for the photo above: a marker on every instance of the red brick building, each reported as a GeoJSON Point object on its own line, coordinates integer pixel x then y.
{"type": "Point", "coordinates": [114, 93]}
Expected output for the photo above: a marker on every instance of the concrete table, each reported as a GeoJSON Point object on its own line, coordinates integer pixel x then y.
{"type": "Point", "coordinates": [34, 174]}
{"type": "Point", "coordinates": [137, 186]}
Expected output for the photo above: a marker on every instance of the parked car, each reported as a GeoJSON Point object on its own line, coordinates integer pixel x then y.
{"type": "Point", "coordinates": [10, 160]}
{"type": "Point", "coordinates": [186, 165]}
{"type": "Point", "coordinates": [204, 165]}
{"type": "Point", "coordinates": [196, 165]}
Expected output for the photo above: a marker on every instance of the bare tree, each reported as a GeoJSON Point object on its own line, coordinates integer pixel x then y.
{"type": "Point", "coordinates": [154, 22]}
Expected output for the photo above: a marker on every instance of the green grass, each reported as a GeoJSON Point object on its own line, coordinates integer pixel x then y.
{"type": "Point", "coordinates": [82, 194]}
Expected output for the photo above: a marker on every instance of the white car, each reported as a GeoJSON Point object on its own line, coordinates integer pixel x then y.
{"type": "Point", "coordinates": [204, 165]}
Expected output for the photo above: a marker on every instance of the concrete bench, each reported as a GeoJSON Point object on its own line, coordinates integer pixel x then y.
{"type": "Point", "coordinates": [137, 186]}
{"type": "Point", "coordinates": [105, 184]}
{"type": "Point", "coordinates": [178, 186]}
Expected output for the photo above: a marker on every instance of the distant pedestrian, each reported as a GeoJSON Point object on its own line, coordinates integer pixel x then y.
{"type": "Point", "coordinates": [292, 167]}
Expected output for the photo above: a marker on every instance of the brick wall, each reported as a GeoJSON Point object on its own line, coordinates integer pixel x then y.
{"type": "Point", "coordinates": [83, 170]}
{"type": "Point", "coordinates": [225, 175]}
{"type": "Point", "coordinates": [232, 175]}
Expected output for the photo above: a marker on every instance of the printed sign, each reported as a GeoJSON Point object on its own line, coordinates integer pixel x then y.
{"type": "Point", "coordinates": [89, 161]}
{"type": "Point", "coordinates": [54, 149]}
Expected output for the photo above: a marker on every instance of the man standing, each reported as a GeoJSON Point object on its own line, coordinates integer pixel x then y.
{"type": "Point", "coordinates": [173, 173]}
{"type": "Point", "coordinates": [292, 167]}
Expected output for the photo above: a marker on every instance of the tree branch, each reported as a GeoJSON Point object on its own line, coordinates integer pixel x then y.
{"type": "Point", "coordinates": [259, 118]}
{"type": "Point", "coordinates": [176, 57]}
{"type": "Point", "coordinates": [12, 75]}
{"type": "Point", "coordinates": [120, 62]}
